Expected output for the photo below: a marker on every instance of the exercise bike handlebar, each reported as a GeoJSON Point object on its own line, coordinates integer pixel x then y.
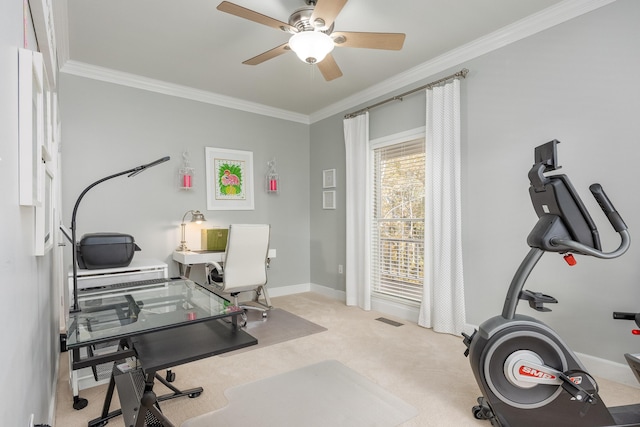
{"type": "Point", "coordinates": [586, 250]}
{"type": "Point", "coordinates": [607, 207]}
{"type": "Point", "coordinates": [616, 222]}
{"type": "Point", "coordinates": [620, 315]}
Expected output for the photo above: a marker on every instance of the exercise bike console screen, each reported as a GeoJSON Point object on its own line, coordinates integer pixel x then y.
{"type": "Point", "coordinates": [546, 154]}
{"type": "Point", "coordinates": [554, 196]}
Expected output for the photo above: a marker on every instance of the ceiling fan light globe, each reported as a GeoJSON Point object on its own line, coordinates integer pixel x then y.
{"type": "Point", "coordinates": [311, 46]}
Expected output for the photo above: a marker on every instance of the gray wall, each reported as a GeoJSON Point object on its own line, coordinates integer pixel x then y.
{"type": "Point", "coordinates": [328, 246]}
{"type": "Point", "coordinates": [110, 128]}
{"type": "Point", "coordinates": [27, 310]}
{"type": "Point", "coordinates": [570, 83]}
{"type": "Point", "coordinates": [573, 82]}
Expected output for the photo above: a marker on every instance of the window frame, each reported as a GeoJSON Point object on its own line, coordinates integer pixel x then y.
{"type": "Point", "coordinates": [376, 144]}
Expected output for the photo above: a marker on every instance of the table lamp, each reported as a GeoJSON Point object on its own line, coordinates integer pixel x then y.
{"type": "Point", "coordinates": [198, 218]}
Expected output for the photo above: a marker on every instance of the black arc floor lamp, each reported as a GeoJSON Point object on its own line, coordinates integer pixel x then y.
{"type": "Point", "coordinates": [130, 172]}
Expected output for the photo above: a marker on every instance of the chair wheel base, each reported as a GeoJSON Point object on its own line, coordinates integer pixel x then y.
{"type": "Point", "coordinates": [244, 320]}
{"type": "Point", "coordinates": [79, 403]}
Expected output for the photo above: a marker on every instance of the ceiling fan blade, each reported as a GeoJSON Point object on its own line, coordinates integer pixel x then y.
{"type": "Point", "coordinates": [329, 68]}
{"type": "Point", "coordinates": [251, 15]}
{"type": "Point", "coordinates": [326, 10]}
{"type": "Point", "coordinates": [387, 41]}
{"type": "Point", "coordinates": [265, 56]}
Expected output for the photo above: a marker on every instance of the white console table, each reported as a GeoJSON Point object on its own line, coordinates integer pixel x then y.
{"type": "Point", "coordinates": [138, 269]}
{"type": "Point", "coordinates": [188, 258]}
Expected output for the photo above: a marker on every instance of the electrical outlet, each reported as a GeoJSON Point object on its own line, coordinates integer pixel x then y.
{"type": "Point", "coordinates": [340, 269]}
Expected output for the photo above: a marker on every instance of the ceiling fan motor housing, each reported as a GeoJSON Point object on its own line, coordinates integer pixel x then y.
{"type": "Point", "coordinates": [301, 20]}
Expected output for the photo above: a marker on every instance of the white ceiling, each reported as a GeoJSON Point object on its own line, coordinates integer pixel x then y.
{"type": "Point", "coordinates": [189, 44]}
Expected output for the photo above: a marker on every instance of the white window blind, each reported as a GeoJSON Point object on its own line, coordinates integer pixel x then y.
{"type": "Point", "coordinates": [397, 246]}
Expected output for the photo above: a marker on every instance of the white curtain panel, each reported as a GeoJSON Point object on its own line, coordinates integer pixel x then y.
{"type": "Point", "coordinates": [356, 138]}
{"type": "Point", "coordinates": [443, 307]}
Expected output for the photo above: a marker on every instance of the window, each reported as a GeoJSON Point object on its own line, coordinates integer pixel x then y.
{"type": "Point", "coordinates": [397, 246]}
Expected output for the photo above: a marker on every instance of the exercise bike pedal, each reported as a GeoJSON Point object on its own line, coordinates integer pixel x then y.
{"type": "Point", "coordinates": [537, 300]}
{"type": "Point", "coordinates": [467, 341]}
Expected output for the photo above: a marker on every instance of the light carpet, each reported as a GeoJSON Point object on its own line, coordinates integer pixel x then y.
{"type": "Point", "coordinates": [319, 395]}
{"type": "Point", "coordinates": [421, 367]}
{"type": "Point", "coordinates": [279, 326]}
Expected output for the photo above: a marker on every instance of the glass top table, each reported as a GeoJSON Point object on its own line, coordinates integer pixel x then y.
{"type": "Point", "coordinates": [116, 312]}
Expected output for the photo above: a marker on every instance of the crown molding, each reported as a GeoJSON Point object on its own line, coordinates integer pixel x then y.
{"type": "Point", "coordinates": [519, 30]}
{"type": "Point", "coordinates": [95, 72]}
{"type": "Point", "coordinates": [547, 18]}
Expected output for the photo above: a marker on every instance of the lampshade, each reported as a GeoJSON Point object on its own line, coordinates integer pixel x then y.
{"type": "Point", "coordinates": [311, 46]}
{"type": "Point", "coordinates": [198, 218]}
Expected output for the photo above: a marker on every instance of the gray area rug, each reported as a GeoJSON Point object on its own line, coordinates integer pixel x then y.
{"type": "Point", "coordinates": [320, 395]}
{"type": "Point", "coordinates": [279, 326]}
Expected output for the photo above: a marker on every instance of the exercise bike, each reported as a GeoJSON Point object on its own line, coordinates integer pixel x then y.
{"type": "Point", "coordinates": [528, 375]}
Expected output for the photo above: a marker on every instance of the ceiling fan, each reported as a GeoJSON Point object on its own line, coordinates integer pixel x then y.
{"type": "Point", "coordinates": [313, 37]}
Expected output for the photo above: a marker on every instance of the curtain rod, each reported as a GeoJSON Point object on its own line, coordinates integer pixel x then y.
{"type": "Point", "coordinates": [462, 73]}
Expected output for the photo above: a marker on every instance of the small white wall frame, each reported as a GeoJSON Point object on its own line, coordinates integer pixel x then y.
{"type": "Point", "coordinates": [329, 199]}
{"type": "Point", "coordinates": [47, 184]}
{"type": "Point", "coordinates": [31, 126]}
{"type": "Point", "coordinates": [329, 178]}
{"type": "Point", "coordinates": [38, 134]}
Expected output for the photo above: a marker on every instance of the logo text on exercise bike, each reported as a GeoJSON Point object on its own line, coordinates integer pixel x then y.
{"type": "Point", "coordinates": [528, 371]}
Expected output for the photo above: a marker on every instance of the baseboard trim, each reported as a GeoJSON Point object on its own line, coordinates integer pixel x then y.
{"type": "Point", "coordinates": [396, 309]}
{"type": "Point", "coordinates": [385, 306]}
{"type": "Point", "coordinates": [329, 292]}
{"type": "Point", "coordinates": [288, 290]}
{"type": "Point", "coordinates": [613, 371]}
{"type": "Point", "coordinates": [308, 287]}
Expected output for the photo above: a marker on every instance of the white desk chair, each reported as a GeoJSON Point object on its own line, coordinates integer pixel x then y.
{"type": "Point", "coordinates": [245, 265]}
